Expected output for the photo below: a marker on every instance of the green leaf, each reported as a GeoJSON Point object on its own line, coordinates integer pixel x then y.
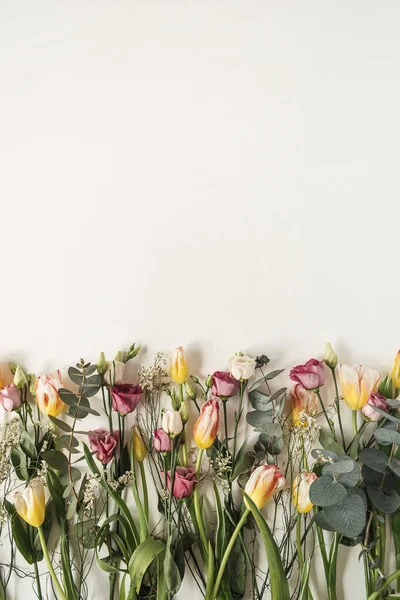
{"type": "Point", "coordinates": [20, 531]}
{"type": "Point", "coordinates": [18, 461]}
{"type": "Point", "coordinates": [347, 517]}
{"type": "Point", "coordinates": [385, 436]}
{"type": "Point", "coordinates": [386, 502]}
{"type": "Point", "coordinates": [256, 418]}
{"type": "Point", "coordinates": [82, 409]}
{"type": "Point", "coordinates": [239, 461]}
{"type": "Point", "coordinates": [171, 571]}
{"type": "Point", "coordinates": [278, 582]}
{"type": "Point", "coordinates": [337, 468]}
{"type": "Point", "coordinates": [66, 441]}
{"type": "Point", "coordinates": [142, 558]}
{"type": "Point", "coordinates": [272, 438]}
{"type": "Point", "coordinates": [27, 445]}
{"type": "Point", "coordinates": [394, 466]}
{"type": "Point", "coordinates": [55, 459]}
{"type": "Point", "coordinates": [328, 443]}
{"type": "Point", "coordinates": [260, 400]}
{"type": "Point", "coordinates": [325, 491]}
{"type": "Point", "coordinates": [220, 530]}
{"type": "Point", "coordinates": [266, 377]}
{"type": "Point", "coordinates": [321, 521]}
{"type": "Point", "coordinates": [56, 491]}
{"type": "Point", "coordinates": [60, 424]}
{"type": "Point", "coordinates": [374, 459]}
{"type": "Point", "coordinates": [68, 397]}
{"type": "Point", "coordinates": [73, 475]}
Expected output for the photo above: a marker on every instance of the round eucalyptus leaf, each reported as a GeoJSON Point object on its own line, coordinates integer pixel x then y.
{"type": "Point", "coordinates": [272, 438]}
{"type": "Point", "coordinates": [394, 466]}
{"type": "Point", "coordinates": [257, 418]}
{"type": "Point", "coordinates": [386, 502]}
{"type": "Point", "coordinates": [375, 479]}
{"type": "Point", "coordinates": [351, 479]}
{"type": "Point", "coordinates": [339, 467]}
{"type": "Point", "coordinates": [325, 491]}
{"type": "Point", "coordinates": [387, 436]}
{"type": "Point", "coordinates": [260, 400]}
{"type": "Point", "coordinates": [321, 521]}
{"type": "Point", "coordinates": [347, 517]}
{"type": "Point", "coordinates": [374, 459]}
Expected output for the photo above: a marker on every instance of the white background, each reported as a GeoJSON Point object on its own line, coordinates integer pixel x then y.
{"type": "Point", "coordinates": [218, 174]}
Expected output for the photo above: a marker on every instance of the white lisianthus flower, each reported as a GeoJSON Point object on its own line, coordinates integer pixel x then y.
{"type": "Point", "coordinates": [242, 367]}
{"type": "Point", "coordinates": [114, 372]}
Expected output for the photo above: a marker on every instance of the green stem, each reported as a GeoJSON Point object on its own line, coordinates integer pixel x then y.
{"type": "Point", "coordinates": [326, 414]}
{"type": "Point", "coordinates": [145, 491]}
{"type": "Point", "coordinates": [332, 566]}
{"type": "Point", "coordinates": [299, 551]}
{"type": "Point", "coordinates": [37, 576]}
{"type": "Point", "coordinates": [227, 552]}
{"type": "Point", "coordinates": [384, 585]}
{"type": "Point", "coordinates": [50, 566]}
{"type": "Point", "coordinates": [238, 416]}
{"type": "Point", "coordinates": [354, 419]}
{"type": "Point", "coordinates": [226, 424]}
{"type": "Point", "coordinates": [197, 509]}
{"type": "Point", "coordinates": [338, 406]}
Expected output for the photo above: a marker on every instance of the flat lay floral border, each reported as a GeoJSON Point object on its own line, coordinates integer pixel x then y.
{"type": "Point", "coordinates": [179, 493]}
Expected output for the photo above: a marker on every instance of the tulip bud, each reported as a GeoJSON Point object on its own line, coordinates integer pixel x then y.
{"type": "Point", "coordinates": [206, 427]}
{"type": "Point", "coordinates": [32, 384]}
{"type": "Point", "coordinates": [184, 411]}
{"type": "Point", "coordinates": [31, 504]}
{"type": "Point", "coordinates": [396, 371]}
{"type": "Point", "coordinates": [139, 447]}
{"type": "Point", "coordinates": [171, 423]}
{"type": "Point", "coordinates": [178, 368]}
{"type": "Point", "coordinates": [191, 391]}
{"type": "Point", "coordinates": [330, 357]}
{"type": "Point", "coordinates": [301, 491]}
{"type": "Point", "coordinates": [101, 364]}
{"type": "Point", "coordinates": [13, 367]}
{"type": "Point", "coordinates": [20, 379]}
{"type": "Point", "coordinates": [263, 483]}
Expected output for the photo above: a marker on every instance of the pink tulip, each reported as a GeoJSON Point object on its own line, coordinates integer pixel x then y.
{"type": "Point", "coordinates": [184, 481]}
{"type": "Point", "coordinates": [224, 385]}
{"type": "Point", "coordinates": [161, 441]}
{"type": "Point", "coordinates": [311, 375]}
{"type": "Point", "coordinates": [375, 400]}
{"type": "Point", "coordinates": [126, 397]}
{"type": "Point", "coordinates": [10, 397]}
{"type": "Point", "coordinates": [104, 444]}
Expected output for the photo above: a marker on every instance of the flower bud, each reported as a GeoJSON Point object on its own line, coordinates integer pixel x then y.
{"type": "Point", "coordinates": [209, 381]}
{"type": "Point", "coordinates": [206, 427]}
{"type": "Point", "coordinates": [301, 491]}
{"type": "Point", "coordinates": [195, 379]}
{"type": "Point", "coordinates": [330, 357]}
{"type": "Point", "coordinates": [185, 411]}
{"type": "Point", "coordinates": [132, 352]}
{"type": "Point", "coordinates": [263, 483]}
{"type": "Point", "coordinates": [191, 391]}
{"type": "Point", "coordinates": [120, 356]}
{"type": "Point", "coordinates": [396, 371]}
{"type": "Point", "coordinates": [20, 379]}
{"type": "Point", "coordinates": [375, 400]}
{"type": "Point", "coordinates": [161, 441]}
{"type": "Point", "coordinates": [178, 369]}
{"type": "Point", "coordinates": [13, 367]}
{"type": "Point", "coordinates": [101, 364]}
{"type": "Point", "coordinates": [171, 423]}
{"type": "Point", "coordinates": [31, 504]}
{"type": "Point", "coordinates": [139, 447]}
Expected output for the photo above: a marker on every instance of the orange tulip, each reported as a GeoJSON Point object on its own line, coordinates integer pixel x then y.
{"type": "Point", "coordinates": [303, 401]}
{"type": "Point", "coordinates": [264, 482]}
{"type": "Point", "coordinates": [206, 427]}
{"type": "Point", "coordinates": [47, 398]}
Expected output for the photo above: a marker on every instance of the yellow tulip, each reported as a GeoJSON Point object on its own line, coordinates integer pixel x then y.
{"type": "Point", "coordinates": [31, 504]}
{"type": "Point", "coordinates": [303, 401]}
{"type": "Point", "coordinates": [263, 483]}
{"type": "Point", "coordinates": [301, 491]}
{"type": "Point", "coordinates": [47, 398]}
{"type": "Point", "coordinates": [178, 369]}
{"type": "Point", "coordinates": [139, 447]}
{"type": "Point", "coordinates": [396, 371]}
{"type": "Point", "coordinates": [357, 383]}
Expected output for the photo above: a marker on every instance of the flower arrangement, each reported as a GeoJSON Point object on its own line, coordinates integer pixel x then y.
{"type": "Point", "coordinates": [173, 479]}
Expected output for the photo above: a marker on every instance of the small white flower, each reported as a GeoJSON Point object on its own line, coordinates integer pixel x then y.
{"type": "Point", "coordinates": [242, 367]}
